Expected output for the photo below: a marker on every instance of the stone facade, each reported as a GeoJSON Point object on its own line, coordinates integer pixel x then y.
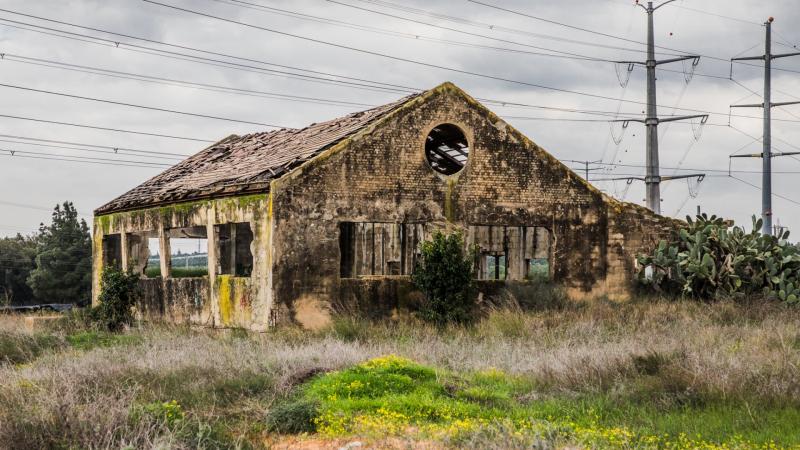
{"type": "Point", "coordinates": [341, 229]}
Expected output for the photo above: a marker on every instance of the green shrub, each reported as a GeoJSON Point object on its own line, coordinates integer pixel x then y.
{"type": "Point", "coordinates": [169, 413]}
{"type": "Point", "coordinates": [118, 293]}
{"type": "Point", "coordinates": [350, 328]}
{"type": "Point", "coordinates": [293, 417]}
{"type": "Point", "coordinates": [444, 274]}
{"type": "Point", "coordinates": [709, 259]}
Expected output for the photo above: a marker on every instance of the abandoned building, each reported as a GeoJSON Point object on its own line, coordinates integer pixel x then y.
{"type": "Point", "coordinates": [300, 222]}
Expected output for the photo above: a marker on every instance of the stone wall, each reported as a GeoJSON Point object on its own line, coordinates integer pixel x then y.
{"type": "Point", "coordinates": [220, 298]}
{"type": "Point", "coordinates": [381, 175]}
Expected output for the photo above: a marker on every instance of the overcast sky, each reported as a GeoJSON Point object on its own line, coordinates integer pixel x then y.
{"type": "Point", "coordinates": [481, 40]}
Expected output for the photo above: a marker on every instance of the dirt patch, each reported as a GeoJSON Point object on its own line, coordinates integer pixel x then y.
{"type": "Point", "coordinates": [312, 313]}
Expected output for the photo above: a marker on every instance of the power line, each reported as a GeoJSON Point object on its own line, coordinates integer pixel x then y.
{"type": "Point", "coordinates": [330, 21]}
{"type": "Point", "coordinates": [238, 66]}
{"type": "Point", "coordinates": [93, 127]}
{"type": "Point", "coordinates": [175, 82]}
{"type": "Point", "coordinates": [9, 57]}
{"type": "Point", "coordinates": [717, 58]}
{"type": "Point", "coordinates": [463, 21]}
{"type": "Point", "coordinates": [722, 16]}
{"type": "Point", "coordinates": [112, 43]}
{"type": "Point", "coordinates": [108, 147]}
{"type": "Point", "coordinates": [586, 30]}
{"type": "Point", "coordinates": [379, 54]}
{"type": "Point", "coordinates": [86, 159]}
{"type": "Point", "coordinates": [39, 208]}
{"type": "Point", "coordinates": [387, 56]}
{"type": "Point", "coordinates": [724, 171]}
{"type": "Point", "coordinates": [759, 188]}
{"type": "Point", "coordinates": [242, 67]}
{"type": "Point", "coordinates": [106, 152]}
{"type": "Point", "coordinates": [561, 54]}
{"type": "Point", "coordinates": [468, 33]}
{"type": "Point", "coordinates": [133, 105]}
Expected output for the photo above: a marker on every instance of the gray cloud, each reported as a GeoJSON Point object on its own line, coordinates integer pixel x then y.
{"type": "Point", "coordinates": [43, 183]}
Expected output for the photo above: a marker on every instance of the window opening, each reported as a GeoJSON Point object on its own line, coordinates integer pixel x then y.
{"type": "Point", "coordinates": [376, 248]}
{"type": "Point", "coordinates": [537, 269]}
{"type": "Point", "coordinates": [495, 266]}
{"type": "Point", "coordinates": [188, 252]}
{"type": "Point", "coordinates": [235, 253]}
{"type": "Point", "coordinates": [446, 149]}
{"type": "Point", "coordinates": [152, 268]}
{"type": "Point", "coordinates": [112, 250]}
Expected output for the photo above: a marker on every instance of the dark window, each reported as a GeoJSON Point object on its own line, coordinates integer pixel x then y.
{"type": "Point", "coordinates": [235, 255]}
{"type": "Point", "coordinates": [112, 250]}
{"type": "Point", "coordinates": [446, 149]}
{"type": "Point", "coordinates": [347, 249]}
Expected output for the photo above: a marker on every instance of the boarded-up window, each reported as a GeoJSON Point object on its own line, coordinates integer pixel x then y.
{"type": "Point", "coordinates": [377, 248]}
{"type": "Point", "coordinates": [511, 253]}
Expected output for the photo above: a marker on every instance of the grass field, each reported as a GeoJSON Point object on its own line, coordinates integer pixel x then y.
{"type": "Point", "coordinates": [639, 375]}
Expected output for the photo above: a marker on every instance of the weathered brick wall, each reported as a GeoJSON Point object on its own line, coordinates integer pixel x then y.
{"type": "Point", "coordinates": [381, 175]}
{"type": "Point", "coordinates": [633, 230]}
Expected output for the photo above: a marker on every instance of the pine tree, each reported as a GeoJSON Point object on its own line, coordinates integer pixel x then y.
{"type": "Point", "coordinates": [17, 259]}
{"type": "Point", "coordinates": [63, 271]}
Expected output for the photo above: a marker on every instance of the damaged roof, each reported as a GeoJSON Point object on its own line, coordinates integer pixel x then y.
{"type": "Point", "coordinates": [245, 164]}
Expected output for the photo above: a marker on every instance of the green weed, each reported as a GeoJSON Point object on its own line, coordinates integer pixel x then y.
{"type": "Point", "coordinates": [88, 340]}
{"type": "Point", "coordinates": [19, 348]}
{"type": "Point", "coordinates": [394, 396]}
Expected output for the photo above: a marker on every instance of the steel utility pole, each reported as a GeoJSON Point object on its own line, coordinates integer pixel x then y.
{"type": "Point", "coordinates": [586, 169]}
{"type": "Point", "coordinates": [653, 178]}
{"type": "Point", "coordinates": [766, 155]}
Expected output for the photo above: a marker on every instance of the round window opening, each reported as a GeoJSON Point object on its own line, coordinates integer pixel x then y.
{"type": "Point", "coordinates": [446, 149]}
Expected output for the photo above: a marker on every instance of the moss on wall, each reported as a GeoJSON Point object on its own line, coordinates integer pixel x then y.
{"type": "Point", "coordinates": [231, 300]}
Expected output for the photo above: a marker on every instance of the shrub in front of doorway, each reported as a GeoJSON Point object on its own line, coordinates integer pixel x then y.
{"type": "Point", "coordinates": [444, 273]}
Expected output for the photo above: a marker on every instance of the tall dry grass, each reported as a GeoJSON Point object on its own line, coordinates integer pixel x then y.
{"type": "Point", "coordinates": [666, 351]}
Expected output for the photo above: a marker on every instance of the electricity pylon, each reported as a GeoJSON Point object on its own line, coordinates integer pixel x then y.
{"type": "Point", "coordinates": [766, 155]}
{"type": "Point", "coordinates": [653, 178]}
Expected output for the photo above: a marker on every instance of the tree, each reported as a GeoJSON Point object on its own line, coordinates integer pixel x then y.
{"type": "Point", "coordinates": [444, 274]}
{"type": "Point", "coordinates": [63, 271]}
{"type": "Point", "coordinates": [17, 259]}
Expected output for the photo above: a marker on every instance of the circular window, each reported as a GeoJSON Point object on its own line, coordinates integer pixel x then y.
{"type": "Point", "coordinates": [446, 149]}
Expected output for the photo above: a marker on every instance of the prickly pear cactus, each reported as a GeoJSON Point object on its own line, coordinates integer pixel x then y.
{"type": "Point", "coordinates": [710, 259]}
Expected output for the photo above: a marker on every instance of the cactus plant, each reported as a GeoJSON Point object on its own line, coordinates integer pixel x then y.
{"type": "Point", "coordinates": [710, 259]}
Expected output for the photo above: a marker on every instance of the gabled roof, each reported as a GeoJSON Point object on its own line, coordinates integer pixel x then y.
{"type": "Point", "coordinates": [245, 164]}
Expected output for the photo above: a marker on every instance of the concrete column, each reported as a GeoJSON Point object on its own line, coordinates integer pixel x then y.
{"type": "Point", "coordinates": [97, 260]}
{"type": "Point", "coordinates": [213, 248]}
{"type": "Point", "coordinates": [123, 254]}
{"type": "Point", "coordinates": [163, 249]}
